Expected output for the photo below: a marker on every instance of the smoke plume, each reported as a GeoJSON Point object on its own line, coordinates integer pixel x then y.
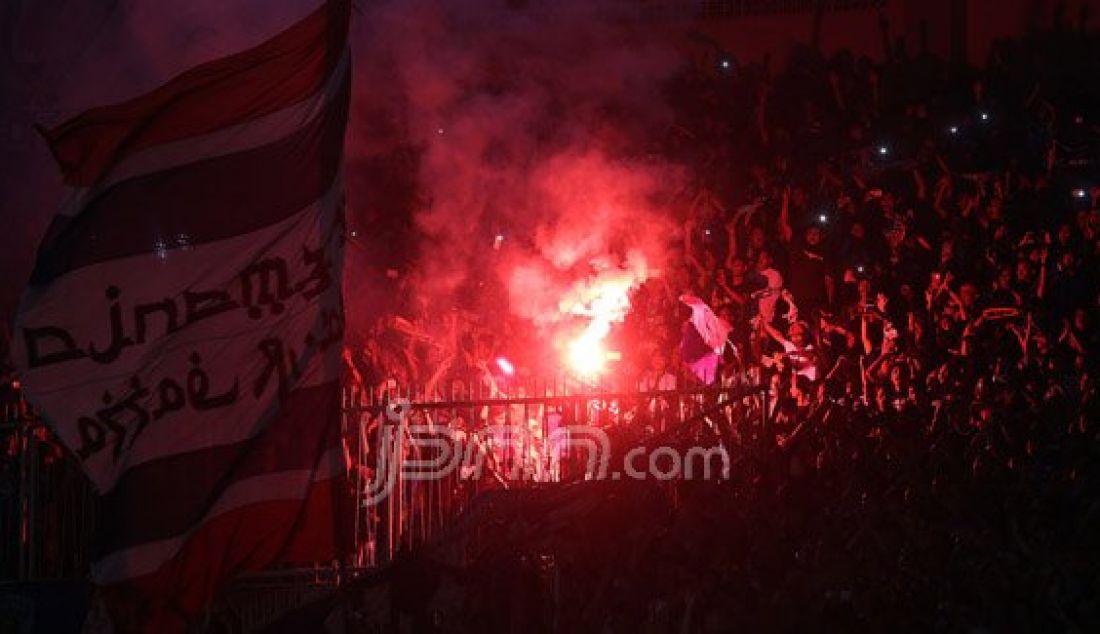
{"type": "Point", "coordinates": [533, 127]}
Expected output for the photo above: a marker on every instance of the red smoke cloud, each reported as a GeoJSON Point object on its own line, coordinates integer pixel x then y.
{"type": "Point", "coordinates": [530, 123]}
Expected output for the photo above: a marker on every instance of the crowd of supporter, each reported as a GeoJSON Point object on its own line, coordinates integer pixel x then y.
{"type": "Point", "coordinates": [911, 239]}
{"type": "Point", "coordinates": [906, 252]}
{"type": "Point", "coordinates": [900, 236]}
{"type": "Point", "coordinates": [914, 269]}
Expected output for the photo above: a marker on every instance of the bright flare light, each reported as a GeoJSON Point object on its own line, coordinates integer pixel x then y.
{"type": "Point", "coordinates": [604, 299]}
{"type": "Point", "coordinates": [587, 356]}
{"type": "Point", "coordinates": [506, 366]}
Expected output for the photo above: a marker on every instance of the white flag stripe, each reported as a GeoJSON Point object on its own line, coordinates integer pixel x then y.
{"type": "Point", "coordinates": [220, 341]}
{"type": "Point", "coordinates": [207, 267]}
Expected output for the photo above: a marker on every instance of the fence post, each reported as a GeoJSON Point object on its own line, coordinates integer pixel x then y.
{"type": "Point", "coordinates": [23, 442]}
{"type": "Point", "coordinates": [34, 471]}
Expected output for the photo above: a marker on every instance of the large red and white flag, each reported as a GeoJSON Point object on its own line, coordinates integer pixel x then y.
{"type": "Point", "coordinates": [183, 324]}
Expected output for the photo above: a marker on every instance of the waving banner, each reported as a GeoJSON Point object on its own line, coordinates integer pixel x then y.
{"type": "Point", "coordinates": [703, 340]}
{"type": "Point", "coordinates": [182, 329]}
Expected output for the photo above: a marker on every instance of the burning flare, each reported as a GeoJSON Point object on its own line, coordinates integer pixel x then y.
{"type": "Point", "coordinates": [586, 355]}
{"type": "Point", "coordinates": [603, 298]}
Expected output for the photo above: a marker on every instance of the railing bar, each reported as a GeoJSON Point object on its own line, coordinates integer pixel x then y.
{"type": "Point", "coordinates": [569, 397]}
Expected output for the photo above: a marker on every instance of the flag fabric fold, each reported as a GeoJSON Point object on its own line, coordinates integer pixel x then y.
{"type": "Point", "coordinates": [183, 327]}
{"type": "Point", "coordinates": [704, 338]}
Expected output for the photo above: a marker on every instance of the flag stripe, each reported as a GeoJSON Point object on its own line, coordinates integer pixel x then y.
{"type": "Point", "coordinates": [243, 136]}
{"type": "Point", "coordinates": [269, 77]}
{"type": "Point", "coordinates": [137, 561]}
{"type": "Point", "coordinates": [164, 498]}
{"type": "Point", "coordinates": [244, 466]}
{"type": "Point", "coordinates": [276, 531]}
{"type": "Point", "coordinates": [205, 201]}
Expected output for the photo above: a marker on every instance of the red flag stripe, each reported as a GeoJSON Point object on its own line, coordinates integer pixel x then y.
{"type": "Point", "coordinates": [144, 559]}
{"type": "Point", "coordinates": [205, 201]}
{"type": "Point", "coordinates": [164, 498]}
{"type": "Point", "coordinates": [269, 77]}
{"type": "Point", "coordinates": [246, 135]}
{"type": "Point", "coordinates": [245, 539]}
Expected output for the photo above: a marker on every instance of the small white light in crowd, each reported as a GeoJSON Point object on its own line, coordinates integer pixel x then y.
{"type": "Point", "coordinates": [506, 366]}
{"type": "Point", "coordinates": [859, 269]}
{"type": "Point", "coordinates": [354, 233]}
{"type": "Point", "coordinates": [725, 63]}
{"type": "Point", "coordinates": [498, 240]}
{"type": "Point", "coordinates": [954, 129]}
{"type": "Point", "coordinates": [822, 218]}
{"type": "Point", "coordinates": [984, 116]}
{"type": "Point", "coordinates": [706, 231]}
{"type": "Point", "coordinates": [1079, 193]}
{"type": "Point", "coordinates": [883, 150]}
{"type": "Point", "coordinates": [439, 131]}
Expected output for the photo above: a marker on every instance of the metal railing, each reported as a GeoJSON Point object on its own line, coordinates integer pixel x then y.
{"type": "Point", "coordinates": [47, 505]}
{"type": "Point", "coordinates": [48, 509]}
{"type": "Point", "coordinates": [532, 413]}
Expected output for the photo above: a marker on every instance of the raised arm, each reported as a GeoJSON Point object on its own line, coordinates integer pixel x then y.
{"type": "Point", "coordinates": [731, 239]}
{"type": "Point", "coordinates": [1070, 339]}
{"type": "Point", "coordinates": [762, 115]}
{"type": "Point", "coordinates": [785, 232]}
{"type": "Point", "coordinates": [792, 308]}
{"type": "Point", "coordinates": [958, 303]}
{"type": "Point", "coordinates": [863, 377]}
{"type": "Point", "coordinates": [827, 327]}
{"type": "Point", "coordinates": [942, 187]}
{"type": "Point", "coordinates": [1021, 337]}
{"type": "Point", "coordinates": [774, 333]}
{"type": "Point", "coordinates": [689, 246]}
{"type": "Point", "coordinates": [921, 185]}
{"type": "Point", "coordinates": [730, 293]}
{"type": "Point", "coordinates": [433, 380]}
{"type": "Point", "coordinates": [1042, 287]}
{"type": "Point", "coordinates": [864, 335]}
{"type": "Point", "coordinates": [874, 369]}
